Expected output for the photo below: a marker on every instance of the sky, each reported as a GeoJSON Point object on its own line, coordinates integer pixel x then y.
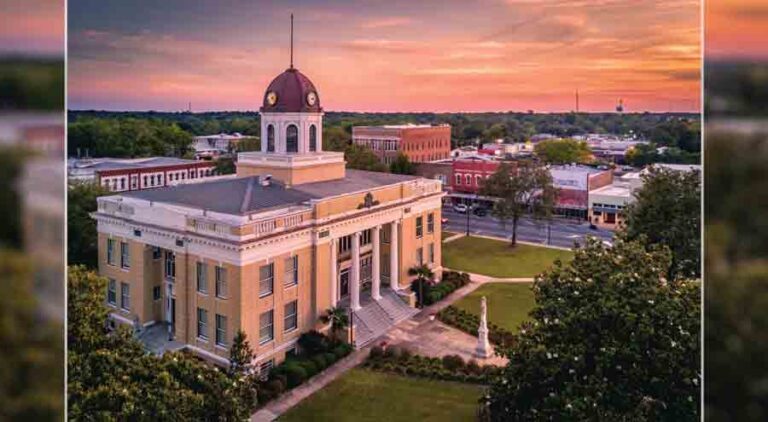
{"type": "Point", "coordinates": [32, 27]}
{"type": "Point", "coordinates": [737, 29]}
{"type": "Point", "coordinates": [427, 55]}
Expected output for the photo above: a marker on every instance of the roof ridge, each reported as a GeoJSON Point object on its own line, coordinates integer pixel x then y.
{"type": "Point", "coordinates": [247, 196]}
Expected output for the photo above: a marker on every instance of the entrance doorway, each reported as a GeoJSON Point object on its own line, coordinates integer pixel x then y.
{"type": "Point", "coordinates": [344, 284]}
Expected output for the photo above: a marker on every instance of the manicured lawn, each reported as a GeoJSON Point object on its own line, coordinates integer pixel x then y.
{"type": "Point", "coordinates": [363, 395]}
{"type": "Point", "coordinates": [508, 303]}
{"type": "Point", "coordinates": [444, 235]}
{"type": "Point", "coordinates": [496, 259]}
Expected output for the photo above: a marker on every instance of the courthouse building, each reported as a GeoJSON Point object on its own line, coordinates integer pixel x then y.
{"type": "Point", "coordinates": [270, 251]}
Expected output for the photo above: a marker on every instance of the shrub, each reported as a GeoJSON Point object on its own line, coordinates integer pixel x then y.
{"type": "Point", "coordinates": [392, 352]}
{"type": "Point", "coordinates": [405, 354]}
{"type": "Point", "coordinates": [314, 342]}
{"type": "Point", "coordinates": [310, 367]}
{"type": "Point", "coordinates": [340, 351]}
{"type": "Point", "coordinates": [472, 367]}
{"type": "Point", "coordinates": [376, 352]}
{"type": "Point", "coordinates": [295, 373]}
{"type": "Point", "coordinates": [320, 361]}
{"type": "Point", "coordinates": [453, 362]}
{"type": "Point", "coordinates": [330, 358]}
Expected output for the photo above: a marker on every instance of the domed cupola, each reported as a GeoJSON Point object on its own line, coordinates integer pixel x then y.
{"type": "Point", "coordinates": [291, 92]}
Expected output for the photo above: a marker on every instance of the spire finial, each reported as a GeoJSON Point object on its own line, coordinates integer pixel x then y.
{"type": "Point", "coordinates": [291, 40]}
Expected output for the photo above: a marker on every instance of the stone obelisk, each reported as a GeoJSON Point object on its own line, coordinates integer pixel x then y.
{"type": "Point", "coordinates": [483, 349]}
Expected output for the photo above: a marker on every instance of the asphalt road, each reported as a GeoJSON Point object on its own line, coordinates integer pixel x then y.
{"type": "Point", "coordinates": [563, 232]}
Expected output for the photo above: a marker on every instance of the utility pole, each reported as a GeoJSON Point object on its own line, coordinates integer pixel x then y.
{"type": "Point", "coordinates": [577, 101]}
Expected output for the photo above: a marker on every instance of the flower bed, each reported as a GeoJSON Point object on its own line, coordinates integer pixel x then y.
{"type": "Point", "coordinates": [317, 353]}
{"type": "Point", "coordinates": [469, 323]}
{"type": "Point", "coordinates": [448, 368]}
{"type": "Point", "coordinates": [450, 282]}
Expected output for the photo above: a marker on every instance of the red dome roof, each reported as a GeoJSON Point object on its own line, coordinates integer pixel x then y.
{"type": "Point", "coordinates": [292, 89]}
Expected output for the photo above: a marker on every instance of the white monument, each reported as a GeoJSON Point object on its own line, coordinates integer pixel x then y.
{"type": "Point", "coordinates": [483, 349]}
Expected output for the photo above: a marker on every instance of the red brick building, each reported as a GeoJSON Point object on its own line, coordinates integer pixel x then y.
{"type": "Point", "coordinates": [420, 143]}
{"type": "Point", "coordinates": [119, 175]}
{"type": "Point", "coordinates": [469, 173]}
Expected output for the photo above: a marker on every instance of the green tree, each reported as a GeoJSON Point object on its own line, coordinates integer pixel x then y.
{"type": "Point", "coordinates": [249, 144]}
{"type": "Point", "coordinates": [225, 165]}
{"type": "Point", "coordinates": [419, 286]}
{"type": "Point", "coordinates": [563, 151]}
{"type": "Point", "coordinates": [335, 138]}
{"type": "Point", "coordinates": [667, 211]}
{"type": "Point", "coordinates": [82, 237]}
{"type": "Point", "coordinates": [241, 370]}
{"type": "Point", "coordinates": [611, 339]}
{"type": "Point", "coordinates": [362, 158]}
{"type": "Point", "coordinates": [32, 378]}
{"type": "Point", "coordinates": [402, 165]}
{"type": "Point", "coordinates": [338, 318]}
{"type": "Point", "coordinates": [11, 164]}
{"type": "Point", "coordinates": [527, 189]}
{"type": "Point", "coordinates": [111, 376]}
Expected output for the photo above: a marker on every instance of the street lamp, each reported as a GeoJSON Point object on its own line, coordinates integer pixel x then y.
{"type": "Point", "coordinates": [351, 326]}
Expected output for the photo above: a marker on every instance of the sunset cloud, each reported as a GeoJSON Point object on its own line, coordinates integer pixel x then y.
{"type": "Point", "coordinates": [447, 56]}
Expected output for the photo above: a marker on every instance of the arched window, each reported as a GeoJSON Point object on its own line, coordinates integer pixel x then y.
{"type": "Point", "coordinates": [292, 139]}
{"type": "Point", "coordinates": [312, 138]}
{"type": "Point", "coordinates": [270, 138]}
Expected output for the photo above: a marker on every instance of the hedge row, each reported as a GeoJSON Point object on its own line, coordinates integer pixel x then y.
{"type": "Point", "coordinates": [448, 368]}
{"type": "Point", "coordinates": [318, 353]}
{"type": "Point", "coordinates": [469, 323]}
{"type": "Point", "coordinates": [433, 293]}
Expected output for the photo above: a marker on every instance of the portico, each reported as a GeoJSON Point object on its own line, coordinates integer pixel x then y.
{"type": "Point", "coordinates": [356, 264]}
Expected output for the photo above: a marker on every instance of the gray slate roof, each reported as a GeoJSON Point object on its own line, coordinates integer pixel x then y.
{"type": "Point", "coordinates": [246, 195]}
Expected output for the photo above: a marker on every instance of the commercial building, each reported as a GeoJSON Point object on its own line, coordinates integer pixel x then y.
{"type": "Point", "coordinates": [209, 147]}
{"type": "Point", "coordinates": [420, 143]}
{"type": "Point", "coordinates": [270, 251]}
{"type": "Point", "coordinates": [129, 174]}
{"type": "Point", "coordinates": [574, 183]}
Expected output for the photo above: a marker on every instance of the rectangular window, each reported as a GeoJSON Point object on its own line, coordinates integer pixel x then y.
{"type": "Point", "coordinates": [420, 256]}
{"type": "Point", "coordinates": [125, 296]}
{"type": "Point", "coordinates": [221, 330]}
{"type": "Point", "coordinates": [477, 179]}
{"type": "Point", "coordinates": [111, 251]}
{"type": "Point", "coordinates": [125, 255]}
{"type": "Point", "coordinates": [170, 265]}
{"type": "Point", "coordinates": [365, 237]}
{"type": "Point", "coordinates": [291, 271]}
{"type": "Point", "coordinates": [221, 282]}
{"type": "Point", "coordinates": [264, 369]}
{"type": "Point", "coordinates": [202, 277]}
{"type": "Point", "coordinates": [431, 222]}
{"type": "Point", "coordinates": [386, 235]}
{"type": "Point", "coordinates": [419, 226]}
{"type": "Point", "coordinates": [156, 293]}
{"type": "Point", "coordinates": [291, 319]}
{"type": "Point", "coordinates": [458, 179]}
{"type": "Point", "coordinates": [266, 279]}
{"type": "Point", "coordinates": [155, 252]}
{"type": "Point", "coordinates": [431, 250]}
{"type": "Point", "coordinates": [202, 325]}
{"type": "Point", "coordinates": [112, 292]}
{"type": "Point", "coordinates": [266, 327]}
{"type": "Point", "coordinates": [345, 244]}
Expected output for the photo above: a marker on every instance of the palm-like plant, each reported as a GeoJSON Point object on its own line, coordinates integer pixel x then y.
{"type": "Point", "coordinates": [423, 275]}
{"type": "Point", "coordinates": [337, 317]}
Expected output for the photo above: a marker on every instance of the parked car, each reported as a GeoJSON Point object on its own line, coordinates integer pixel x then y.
{"type": "Point", "coordinates": [480, 211]}
{"type": "Point", "coordinates": [461, 208]}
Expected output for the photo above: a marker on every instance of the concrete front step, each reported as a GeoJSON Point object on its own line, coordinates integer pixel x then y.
{"type": "Point", "coordinates": [377, 317]}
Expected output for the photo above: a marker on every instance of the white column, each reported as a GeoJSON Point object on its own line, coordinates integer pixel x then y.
{"type": "Point", "coordinates": [376, 282]}
{"type": "Point", "coordinates": [334, 273]}
{"type": "Point", "coordinates": [394, 262]}
{"type": "Point", "coordinates": [354, 274]}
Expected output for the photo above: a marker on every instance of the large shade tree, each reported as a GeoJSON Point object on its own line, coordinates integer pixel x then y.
{"type": "Point", "coordinates": [82, 237]}
{"type": "Point", "coordinates": [667, 211]}
{"type": "Point", "coordinates": [527, 189]}
{"type": "Point", "coordinates": [610, 339]}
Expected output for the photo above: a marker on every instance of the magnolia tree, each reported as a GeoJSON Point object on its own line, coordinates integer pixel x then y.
{"type": "Point", "coordinates": [610, 339]}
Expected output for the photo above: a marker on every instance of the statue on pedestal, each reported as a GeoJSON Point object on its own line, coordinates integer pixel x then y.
{"type": "Point", "coordinates": [483, 349]}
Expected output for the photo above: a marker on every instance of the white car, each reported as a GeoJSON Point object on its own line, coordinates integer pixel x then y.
{"type": "Point", "coordinates": [461, 208]}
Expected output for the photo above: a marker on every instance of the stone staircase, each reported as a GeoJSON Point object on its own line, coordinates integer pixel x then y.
{"type": "Point", "coordinates": [376, 317]}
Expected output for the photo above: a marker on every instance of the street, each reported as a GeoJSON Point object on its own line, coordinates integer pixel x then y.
{"type": "Point", "coordinates": [563, 232]}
